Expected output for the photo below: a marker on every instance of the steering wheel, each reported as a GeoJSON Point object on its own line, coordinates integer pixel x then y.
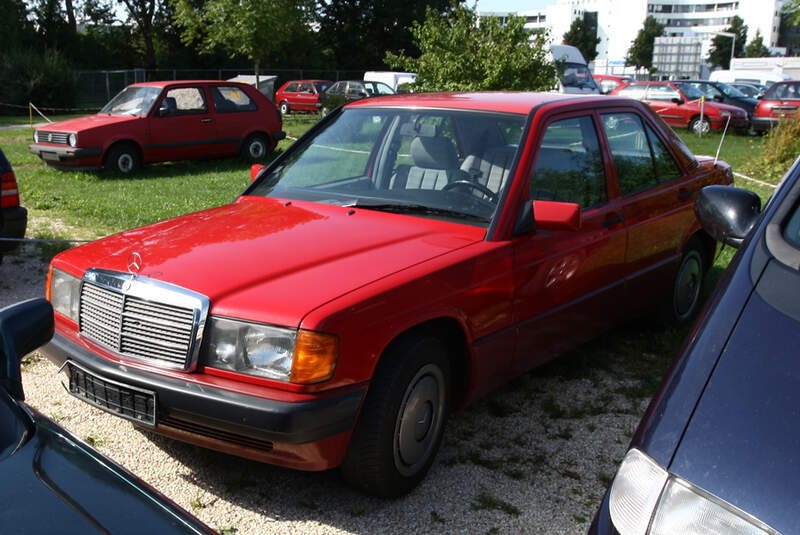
{"type": "Point", "coordinates": [492, 196]}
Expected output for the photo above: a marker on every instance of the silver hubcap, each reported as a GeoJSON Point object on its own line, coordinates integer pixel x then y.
{"type": "Point", "coordinates": [419, 421]}
{"type": "Point", "coordinates": [701, 127]}
{"type": "Point", "coordinates": [257, 149]}
{"type": "Point", "coordinates": [125, 163]}
{"type": "Point", "coordinates": [687, 287]}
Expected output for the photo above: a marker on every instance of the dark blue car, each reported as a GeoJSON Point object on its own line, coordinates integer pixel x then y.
{"type": "Point", "coordinates": [718, 450]}
{"type": "Point", "coordinates": [52, 482]}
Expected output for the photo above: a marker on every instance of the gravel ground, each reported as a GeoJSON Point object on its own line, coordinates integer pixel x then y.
{"type": "Point", "coordinates": [534, 457]}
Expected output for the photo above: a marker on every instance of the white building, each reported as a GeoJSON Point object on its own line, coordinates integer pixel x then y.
{"type": "Point", "coordinates": [619, 21]}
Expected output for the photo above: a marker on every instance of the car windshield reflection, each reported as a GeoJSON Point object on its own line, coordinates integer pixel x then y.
{"type": "Point", "coordinates": [432, 163]}
{"type": "Point", "coordinates": [132, 101]}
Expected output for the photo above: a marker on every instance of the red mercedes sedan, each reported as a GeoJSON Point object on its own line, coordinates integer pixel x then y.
{"type": "Point", "coordinates": [403, 258]}
{"type": "Point", "coordinates": [163, 121]}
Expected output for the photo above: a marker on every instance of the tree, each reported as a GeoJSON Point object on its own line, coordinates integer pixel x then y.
{"type": "Point", "coordinates": [792, 10]}
{"type": "Point", "coordinates": [583, 36]}
{"type": "Point", "coordinates": [640, 54]}
{"type": "Point", "coordinates": [255, 29]}
{"type": "Point", "coordinates": [358, 33]}
{"type": "Point", "coordinates": [720, 53]}
{"type": "Point", "coordinates": [458, 54]}
{"type": "Point", "coordinates": [143, 13]}
{"type": "Point", "coordinates": [756, 48]}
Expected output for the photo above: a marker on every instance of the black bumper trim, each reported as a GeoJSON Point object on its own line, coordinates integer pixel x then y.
{"type": "Point", "coordinates": [64, 154]}
{"type": "Point", "coordinates": [260, 418]}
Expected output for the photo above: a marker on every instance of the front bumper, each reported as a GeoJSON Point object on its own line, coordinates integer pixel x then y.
{"type": "Point", "coordinates": [60, 155]}
{"type": "Point", "coordinates": [15, 221]}
{"type": "Point", "coordinates": [185, 408]}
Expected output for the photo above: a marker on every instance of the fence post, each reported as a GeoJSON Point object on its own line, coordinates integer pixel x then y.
{"type": "Point", "coordinates": [108, 88]}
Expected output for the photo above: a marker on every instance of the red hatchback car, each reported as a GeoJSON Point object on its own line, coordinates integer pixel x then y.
{"type": "Point", "coordinates": [401, 259]}
{"type": "Point", "coordinates": [161, 121]}
{"type": "Point", "coordinates": [300, 95]}
{"type": "Point", "coordinates": [679, 105]}
{"type": "Point", "coordinates": [781, 100]}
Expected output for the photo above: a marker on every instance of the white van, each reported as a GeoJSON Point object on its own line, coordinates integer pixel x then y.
{"type": "Point", "coordinates": [391, 78]}
{"type": "Point", "coordinates": [574, 76]}
{"type": "Point", "coordinates": [748, 76]}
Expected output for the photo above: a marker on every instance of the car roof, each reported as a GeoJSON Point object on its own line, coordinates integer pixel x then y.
{"type": "Point", "coordinates": [164, 83]}
{"type": "Point", "coordinates": [509, 102]}
{"type": "Point", "coordinates": [307, 80]}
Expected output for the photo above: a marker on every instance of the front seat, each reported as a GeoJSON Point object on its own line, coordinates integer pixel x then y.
{"type": "Point", "coordinates": [491, 168]}
{"type": "Point", "coordinates": [435, 164]}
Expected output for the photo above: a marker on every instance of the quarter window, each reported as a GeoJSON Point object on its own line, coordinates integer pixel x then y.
{"type": "Point", "coordinates": [662, 92]}
{"type": "Point", "coordinates": [292, 88]}
{"type": "Point", "coordinates": [569, 167]}
{"type": "Point", "coordinates": [229, 99]}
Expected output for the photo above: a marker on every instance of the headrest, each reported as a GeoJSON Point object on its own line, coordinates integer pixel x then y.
{"type": "Point", "coordinates": [418, 130]}
{"type": "Point", "coordinates": [434, 153]}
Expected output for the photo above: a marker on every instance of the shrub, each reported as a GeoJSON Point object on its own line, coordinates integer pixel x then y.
{"type": "Point", "coordinates": [780, 147]}
{"type": "Point", "coordinates": [45, 79]}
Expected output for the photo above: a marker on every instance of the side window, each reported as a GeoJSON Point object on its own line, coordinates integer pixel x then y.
{"type": "Point", "coordinates": [337, 89]}
{"type": "Point", "coordinates": [661, 92]}
{"type": "Point", "coordinates": [306, 88]}
{"type": "Point", "coordinates": [229, 99]}
{"type": "Point", "coordinates": [185, 101]}
{"type": "Point", "coordinates": [666, 168]}
{"type": "Point", "coordinates": [630, 150]}
{"type": "Point", "coordinates": [569, 167]}
{"type": "Point", "coordinates": [291, 88]}
{"type": "Point", "coordinates": [633, 91]}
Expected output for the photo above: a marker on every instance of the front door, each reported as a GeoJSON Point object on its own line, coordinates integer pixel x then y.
{"type": "Point", "coordinates": [182, 126]}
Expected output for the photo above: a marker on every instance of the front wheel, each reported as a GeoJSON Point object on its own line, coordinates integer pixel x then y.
{"type": "Point", "coordinates": [402, 421]}
{"type": "Point", "coordinates": [285, 109]}
{"type": "Point", "coordinates": [688, 284]}
{"type": "Point", "coordinates": [256, 147]}
{"type": "Point", "coordinates": [700, 126]}
{"type": "Point", "coordinates": [123, 159]}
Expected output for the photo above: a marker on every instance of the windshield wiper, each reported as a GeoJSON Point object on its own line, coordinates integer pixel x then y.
{"type": "Point", "coordinates": [407, 208]}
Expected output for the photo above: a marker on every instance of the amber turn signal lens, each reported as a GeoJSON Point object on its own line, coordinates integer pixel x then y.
{"type": "Point", "coordinates": [315, 356]}
{"type": "Point", "coordinates": [49, 282]}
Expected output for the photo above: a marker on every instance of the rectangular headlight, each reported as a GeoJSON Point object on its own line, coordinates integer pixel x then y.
{"type": "Point", "coordinates": [65, 293]}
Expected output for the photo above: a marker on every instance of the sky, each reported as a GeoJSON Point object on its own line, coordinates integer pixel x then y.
{"type": "Point", "coordinates": [512, 5]}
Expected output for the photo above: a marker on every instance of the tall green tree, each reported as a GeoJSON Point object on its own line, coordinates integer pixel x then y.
{"type": "Point", "coordinates": [359, 33]}
{"type": "Point", "coordinates": [720, 53]}
{"type": "Point", "coordinates": [255, 29]}
{"type": "Point", "coordinates": [143, 14]}
{"type": "Point", "coordinates": [756, 48]}
{"type": "Point", "coordinates": [583, 36]}
{"type": "Point", "coordinates": [15, 28]}
{"type": "Point", "coordinates": [640, 54]}
{"type": "Point", "coordinates": [792, 10]}
{"type": "Point", "coordinates": [460, 53]}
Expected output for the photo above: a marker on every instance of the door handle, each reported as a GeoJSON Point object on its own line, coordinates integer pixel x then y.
{"type": "Point", "coordinates": [206, 120]}
{"type": "Point", "coordinates": [685, 194]}
{"type": "Point", "coordinates": [619, 218]}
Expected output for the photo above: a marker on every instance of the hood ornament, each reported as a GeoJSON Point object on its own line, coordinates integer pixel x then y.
{"type": "Point", "coordinates": [135, 264]}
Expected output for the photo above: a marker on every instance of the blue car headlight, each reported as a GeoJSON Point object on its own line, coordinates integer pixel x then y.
{"type": "Point", "coordinates": [645, 499]}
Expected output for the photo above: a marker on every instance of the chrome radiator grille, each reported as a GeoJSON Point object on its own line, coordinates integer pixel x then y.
{"type": "Point", "coordinates": [60, 138]}
{"type": "Point", "coordinates": [140, 328]}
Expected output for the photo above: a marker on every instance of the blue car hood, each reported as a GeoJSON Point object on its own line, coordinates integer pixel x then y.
{"type": "Point", "coordinates": [743, 441]}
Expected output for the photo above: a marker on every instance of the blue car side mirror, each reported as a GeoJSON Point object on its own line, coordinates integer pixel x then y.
{"type": "Point", "coordinates": [23, 328]}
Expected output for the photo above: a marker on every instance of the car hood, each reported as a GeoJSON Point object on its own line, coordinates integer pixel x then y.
{"type": "Point", "coordinates": [55, 483]}
{"type": "Point", "coordinates": [271, 260]}
{"type": "Point", "coordinates": [741, 444]}
{"type": "Point", "coordinates": [90, 121]}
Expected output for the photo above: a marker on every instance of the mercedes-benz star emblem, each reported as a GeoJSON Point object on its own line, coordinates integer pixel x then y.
{"type": "Point", "coordinates": [135, 263]}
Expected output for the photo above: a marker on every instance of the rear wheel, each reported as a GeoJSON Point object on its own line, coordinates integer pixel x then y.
{"type": "Point", "coordinates": [700, 126]}
{"type": "Point", "coordinates": [256, 147]}
{"type": "Point", "coordinates": [688, 284]}
{"type": "Point", "coordinates": [285, 108]}
{"type": "Point", "coordinates": [402, 422]}
{"type": "Point", "coordinates": [123, 159]}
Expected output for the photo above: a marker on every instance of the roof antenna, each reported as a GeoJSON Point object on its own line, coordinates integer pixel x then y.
{"type": "Point", "coordinates": [721, 140]}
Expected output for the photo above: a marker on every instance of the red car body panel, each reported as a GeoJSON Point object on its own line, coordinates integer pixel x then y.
{"type": "Point", "coordinates": [194, 136]}
{"type": "Point", "coordinates": [509, 302]}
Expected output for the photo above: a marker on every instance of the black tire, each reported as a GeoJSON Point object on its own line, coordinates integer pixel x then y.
{"type": "Point", "coordinates": [123, 159]}
{"type": "Point", "coordinates": [324, 111]}
{"type": "Point", "coordinates": [700, 126]}
{"type": "Point", "coordinates": [687, 287]}
{"type": "Point", "coordinates": [402, 421]}
{"type": "Point", "coordinates": [285, 108]}
{"type": "Point", "coordinates": [256, 147]}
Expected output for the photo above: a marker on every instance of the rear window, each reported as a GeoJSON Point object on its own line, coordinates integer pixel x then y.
{"type": "Point", "coordinates": [779, 91]}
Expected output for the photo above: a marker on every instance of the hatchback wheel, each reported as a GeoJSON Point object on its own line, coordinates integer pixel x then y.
{"type": "Point", "coordinates": [256, 147]}
{"type": "Point", "coordinates": [402, 422]}
{"type": "Point", "coordinates": [285, 108]}
{"type": "Point", "coordinates": [688, 284]}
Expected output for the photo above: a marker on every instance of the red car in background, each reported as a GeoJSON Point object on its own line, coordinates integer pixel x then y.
{"type": "Point", "coordinates": [608, 82]}
{"type": "Point", "coordinates": [780, 101]}
{"type": "Point", "coordinates": [163, 121]}
{"type": "Point", "coordinates": [300, 95]}
{"type": "Point", "coordinates": [401, 259]}
{"type": "Point", "coordinates": [679, 105]}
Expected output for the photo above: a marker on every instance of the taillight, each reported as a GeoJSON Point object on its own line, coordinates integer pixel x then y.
{"type": "Point", "coordinates": [9, 193]}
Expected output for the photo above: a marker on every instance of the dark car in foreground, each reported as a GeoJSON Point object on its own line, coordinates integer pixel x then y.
{"type": "Point", "coordinates": [52, 482]}
{"type": "Point", "coordinates": [780, 102]}
{"type": "Point", "coordinates": [717, 449]}
{"type": "Point", "coordinates": [13, 217]}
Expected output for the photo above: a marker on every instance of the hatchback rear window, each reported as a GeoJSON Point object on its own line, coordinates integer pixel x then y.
{"type": "Point", "coordinates": [783, 92]}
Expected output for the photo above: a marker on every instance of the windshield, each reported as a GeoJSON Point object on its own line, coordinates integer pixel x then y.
{"type": "Point", "coordinates": [691, 92]}
{"type": "Point", "coordinates": [730, 91]}
{"type": "Point", "coordinates": [446, 164]}
{"type": "Point", "coordinates": [133, 100]}
{"type": "Point", "coordinates": [577, 75]}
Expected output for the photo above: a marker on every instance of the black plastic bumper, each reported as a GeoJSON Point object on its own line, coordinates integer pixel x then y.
{"type": "Point", "coordinates": [765, 124]}
{"type": "Point", "coordinates": [232, 412]}
{"type": "Point", "coordinates": [56, 155]}
{"type": "Point", "coordinates": [14, 223]}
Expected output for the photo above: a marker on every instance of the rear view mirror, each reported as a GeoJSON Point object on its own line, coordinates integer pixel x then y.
{"type": "Point", "coordinates": [254, 170]}
{"type": "Point", "coordinates": [23, 328]}
{"type": "Point", "coordinates": [727, 213]}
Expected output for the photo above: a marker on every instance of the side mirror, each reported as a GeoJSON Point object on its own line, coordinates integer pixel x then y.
{"type": "Point", "coordinates": [677, 100]}
{"type": "Point", "coordinates": [163, 110]}
{"type": "Point", "coordinates": [718, 98]}
{"type": "Point", "coordinates": [727, 214]}
{"type": "Point", "coordinates": [547, 215]}
{"type": "Point", "coordinates": [23, 328]}
{"type": "Point", "coordinates": [254, 170]}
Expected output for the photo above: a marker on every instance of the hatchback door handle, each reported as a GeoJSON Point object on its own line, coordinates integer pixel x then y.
{"type": "Point", "coordinates": [206, 120]}
{"type": "Point", "coordinates": [685, 194]}
{"type": "Point", "coordinates": [619, 218]}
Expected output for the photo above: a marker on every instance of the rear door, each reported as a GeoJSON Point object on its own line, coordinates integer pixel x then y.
{"type": "Point", "coordinates": [569, 284]}
{"type": "Point", "coordinates": [662, 98]}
